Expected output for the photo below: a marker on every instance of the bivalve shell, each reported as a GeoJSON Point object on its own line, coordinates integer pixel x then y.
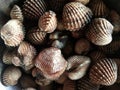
{"type": "Point", "coordinates": [82, 1]}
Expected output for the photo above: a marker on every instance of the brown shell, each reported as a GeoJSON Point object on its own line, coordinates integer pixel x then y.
{"type": "Point", "coordinates": [76, 16]}
{"type": "Point", "coordinates": [16, 13]}
{"type": "Point", "coordinates": [85, 84]}
{"type": "Point", "coordinates": [51, 63]}
{"type": "Point", "coordinates": [82, 1]}
{"type": "Point", "coordinates": [100, 32]}
{"type": "Point", "coordinates": [36, 36]}
{"type": "Point", "coordinates": [12, 32]}
{"type": "Point", "coordinates": [33, 9]}
{"type": "Point", "coordinates": [82, 46]}
{"type": "Point", "coordinates": [78, 34]}
{"type": "Point", "coordinates": [98, 8]}
{"type": "Point", "coordinates": [48, 22]}
{"type": "Point", "coordinates": [11, 76]}
{"type": "Point", "coordinates": [77, 66]}
{"type": "Point", "coordinates": [104, 72]}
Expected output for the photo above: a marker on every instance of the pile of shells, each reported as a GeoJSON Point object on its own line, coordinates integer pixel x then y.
{"type": "Point", "coordinates": [61, 45]}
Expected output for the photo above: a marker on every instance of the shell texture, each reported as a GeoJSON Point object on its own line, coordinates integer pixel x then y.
{"type": "Point", "coordinates": [16, 13]}
{"type": "Point", "coordinates": [51, 63]}
{"type": "Point", "coordinates": [82, 1]}
{"type": "Point", "coordinates": [100, 32]}
{"type": "Point", "coordinates": [75, 16]}
{"type": "Point", "coordinates": [36, 36]}
{"type": "Point", "coordinates": [11, 75]}
{"type": "Point", "coordinates": [33, 9]}
{"type": "Point", "coordinates": [12, 33]}
{"type": "Point", "coordinates": [77, 66]}
{"type": "Point", "coordinates": [104, 72]}
{"type": "Point", "coordinates": [48, 22]}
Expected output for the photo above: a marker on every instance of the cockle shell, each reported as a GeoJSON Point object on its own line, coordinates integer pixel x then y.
{"type": "Point", "coordinates": [48, 22]}
{"type": "Point", "coordinates": [11, 75]}
{"type": "Point", "coordinates": [16, 13]}
{"type": "Point", "coordinates": [77, 66]}
{"type": "Point", "coordinates": [100, 32]}
{"type": "Point", "coordinates": [104, 72]}
{"type": "Point", "coordinates": [33, 9]}
{"type": "Point", "coordinates": [75, 16]}
{"type": "Point", "coordinates": [82, 46]}
{"type": "Point", "coordinates": [98, 8]}
{"type": "Point", "coordinates": [36, 36]}
{"type": "Point", "coordinates": [82, 1]}
{"type": "Point", "coordinates": [85, 84]}
{"type": "Point", "coordinates": [12, 33]}
{"type": "Point", "coordinates": [30, 88]}
{"type": "Point", "coordinates": [51, 63]}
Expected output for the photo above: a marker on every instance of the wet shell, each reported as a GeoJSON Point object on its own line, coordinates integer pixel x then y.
{"type": "Point", "coordinates": [82, 46]}
{"type": "Point", "coordinates": [104, 72]}
{"type": "Point", "coordinates": [11, 75]}
{"type": "Point", "coordinates": [30, 88]}
{"type": "Point", "coordinates": [76, 16]}
{"type": "Point", "coordinates": [98, 8]}
{"type": "Point", "coordinates": [16, 13]}
{"type": "Point", "coordinates": [85, 84]}
{"type": "Point", "coordinates": [33, 9]}
{"type": "Point", "coordinates": [77, 66]}
{"type": "Point", "coordinates": [82, 1]}
{"type": "Point", "coordinates": [36, 36]}
{"type": "Point", "coordinates": [48, 22]}
{"type": "Point", "coordinates": [69, 85]}
{"type": "Point", "coordinates": [100, 32]}
{"type": "Point", "coordinates": [51, 63]}
{"type": "Point", "coordinates": [12, 33]}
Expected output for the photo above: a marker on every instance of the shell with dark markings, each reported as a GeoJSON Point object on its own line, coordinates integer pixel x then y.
{"type": "Point", "coordinates": [12, 32]}
{"type": "Point", "coordinates": [51, 63]}
{"type": "Point", "coordinates": [11, 76]}
{"type": "Point", "coordinates": [33, 9]}
{"type": "Point", "coordinates": [104, 72]}
{"type": "Point", "coordinates": [77, 66]}
{"type": "Point", "coordinates": [100, 32]}
{"type": "Point", "coordinates": [75, 16]}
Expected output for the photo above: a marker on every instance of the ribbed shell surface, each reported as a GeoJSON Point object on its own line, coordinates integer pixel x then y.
{"type": "Point", "coordinates": [82, 1]}
{"type": "Point", "coordinates": [33, 9]}
{"type": "Point", "coordinates": [100, 32]}
{"type": "Point", "coordinates": [76, 16]}
{"type": "Point", "coordinates": [104, 72]}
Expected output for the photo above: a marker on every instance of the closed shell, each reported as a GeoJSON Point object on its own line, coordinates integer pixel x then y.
{"type": "Point", "coordinates": [16, 13]}
{"type": "Point", "coordinates": [75, 16]}
{"type": "Point", "coordinates": [77, 66]}
{"type": "Point", "coordinates": [104, 72]}
{"type": "Point", "coordinates": [51, 63]}
{"type": "Point", "coordinates": [36, 36]}
{"type": "Point", "coordinates": [48, 22]}
{"type": "Point", "coordinates": [11, 76]}
{"type": "Point", "coordinates": [100, 32]}
{"type": "Point", "coordinates": [12, 33]}
{"type": "Point", "coordinates": [33, 9]}
{"type": "Point", "coordinates": [82, 1]}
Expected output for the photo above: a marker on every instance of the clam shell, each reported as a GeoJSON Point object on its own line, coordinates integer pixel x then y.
{"type": "Point", "coordinates": [100, 32]}
{"type": "Point", "coordinates": [36, 36]}
{"type": "Point", "coordinates": [51, 63]}
{"type": "Point", "coordinates": [82, 46]}
{"type": "Point", "coordinates": [98, 8]}
{"type": "Point", "coordinates": [77, 66]}
{"type": "Point", "coordinates": [11, 76]}
{"type": "Point", "coordinates": [33, 9]}
{"type": "Point", "coordinates": [16, 13]}
{"type": "Point", "coordinates": [12, 33]}
{"type": "Point", "coordinates": [82, 1]}
{"type": "Point", "coordinates": [104, 72]}
{"type": "Point", "coordinates": [75, 16]}
{"type": "Point", "coordinates": [48, 22]}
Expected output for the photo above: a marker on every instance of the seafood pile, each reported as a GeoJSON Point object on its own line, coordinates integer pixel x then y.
{"type": "Point", "coordinates": [61, 45]}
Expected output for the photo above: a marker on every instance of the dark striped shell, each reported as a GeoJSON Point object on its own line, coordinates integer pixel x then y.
{"type": "Point", "coordinates": [100, 32]}
{"type": "Point", "coordinates": [51, 63]}
{"type": "Point", "coordinates": [75, 16]}
{"type": "Point", "coordinates": [77, 66]}
{"type": "Point", "coordinates": [48, 22]}
{"type": "Point", "coordinates": [104, 72]}
{"type": "Point", "coordinates": [36, 36]}
{"type": "Point", "coordinates": [33, 9]}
